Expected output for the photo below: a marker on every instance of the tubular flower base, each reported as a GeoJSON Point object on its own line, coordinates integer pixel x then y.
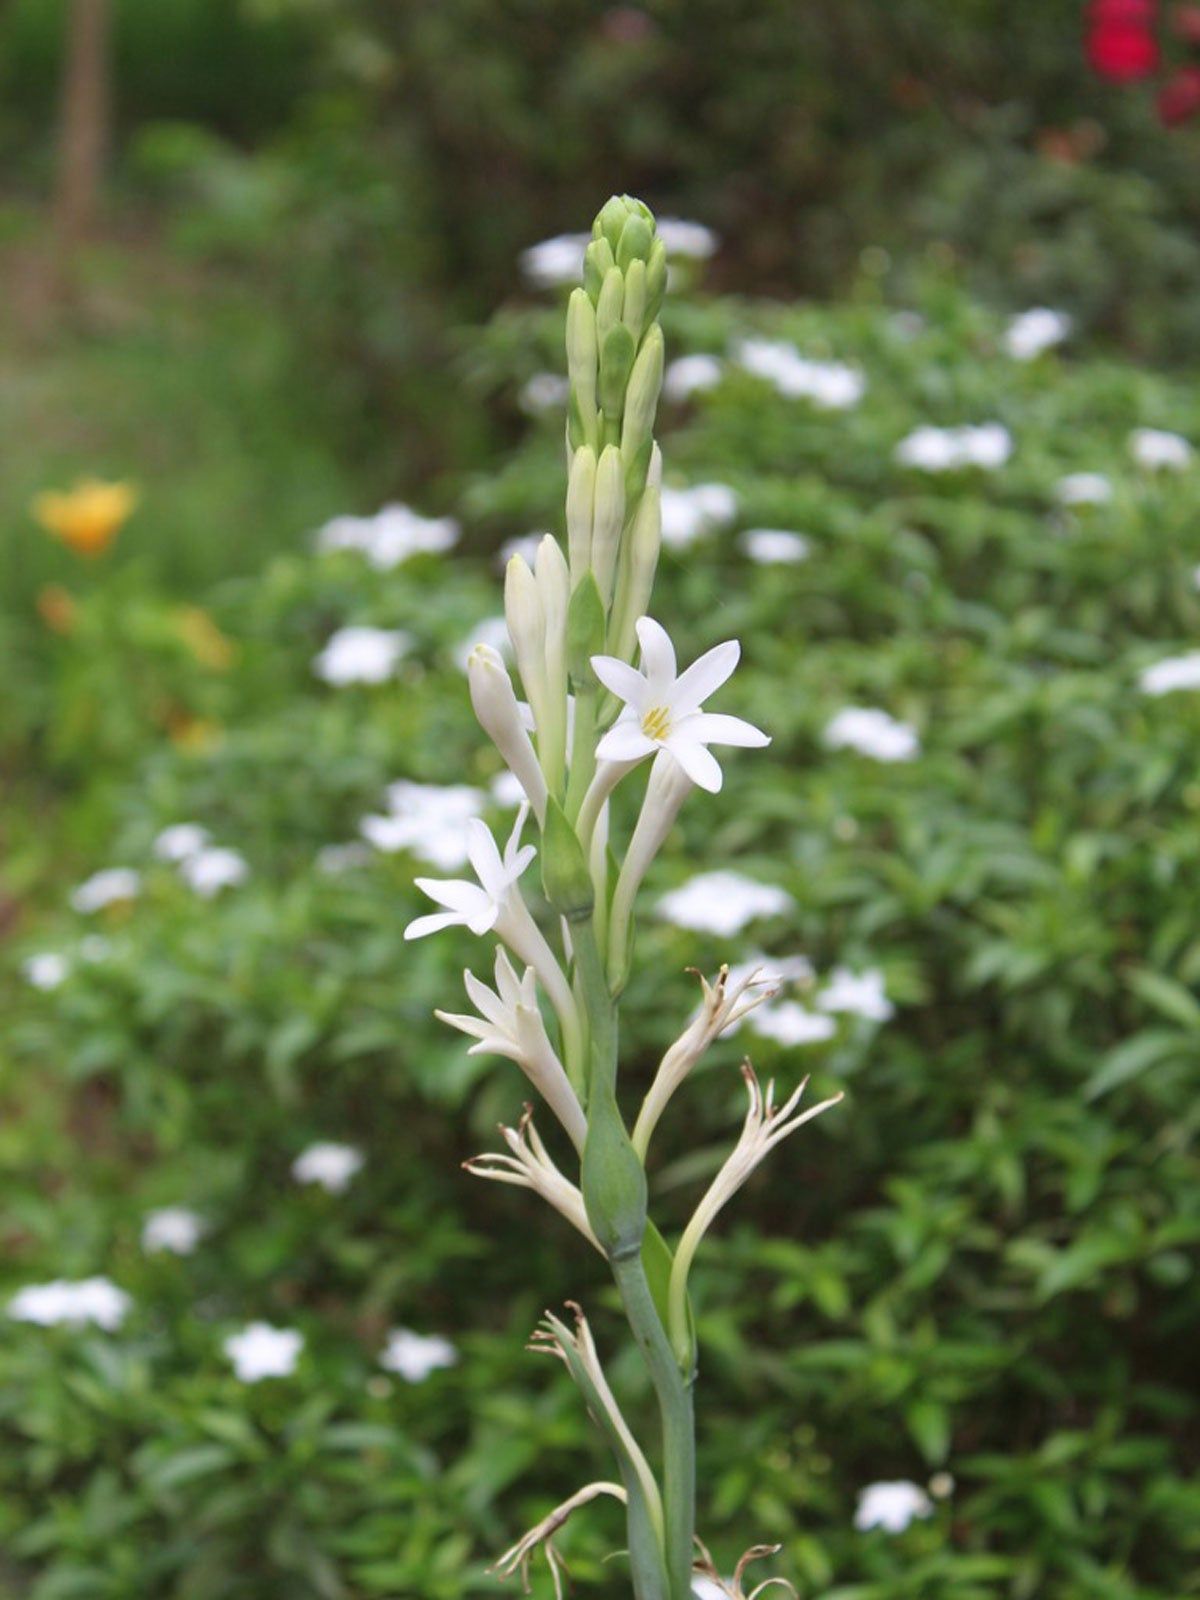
{"type": "Point", "coordinates": [577, 724]}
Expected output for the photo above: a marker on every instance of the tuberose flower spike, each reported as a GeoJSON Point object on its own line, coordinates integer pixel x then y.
{"type": "Point", "coordinates": [529, 1165]}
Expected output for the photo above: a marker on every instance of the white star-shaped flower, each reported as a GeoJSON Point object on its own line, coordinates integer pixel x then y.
{"type": "Point", "coordinates": [175, 1229]}
{"type": "Point", "coordinates": [261, 1351]}
{"type": "Point", "coordinates": [329, 1164]}
{"type": "Point", "coordinates": [662, 706]}
{"type": "Point", "coordinates": [415, 1355]}
{"type": "Point", "coordinates": [476, 906]}
{"type": "Point", "coordinates": [891, 1506]}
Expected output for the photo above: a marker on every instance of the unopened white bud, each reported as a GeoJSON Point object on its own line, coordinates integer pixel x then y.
{"type": "Point", "coordinates": [499, 714]}
{"type": "Point", "coordinates": [526, 628]}
{"type": "Point", "coordinates": [608, 520]}
{"type": "Point", "coordinates": [582, 358]}
{"type": "Point", "coordinates": [581, 489]}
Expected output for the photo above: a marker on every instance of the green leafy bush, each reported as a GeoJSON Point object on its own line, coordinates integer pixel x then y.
{"type": "Point", "coordinates": [982, 1265]}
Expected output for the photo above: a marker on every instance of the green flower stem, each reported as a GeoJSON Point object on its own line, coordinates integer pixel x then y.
{"type": "Point", "coordinates": [678, 1426]}
{"type": "Point", "coordinates": [583, 752]}
{"type": "Point", "coordinates": [673, 1391]}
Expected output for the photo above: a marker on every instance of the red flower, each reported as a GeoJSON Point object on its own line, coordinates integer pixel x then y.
{"type": "Point", "coordinates": [1120, 43]}
{"type": "Point", "coordinates": [1179, 97]}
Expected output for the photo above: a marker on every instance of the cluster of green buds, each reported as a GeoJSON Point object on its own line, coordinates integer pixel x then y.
{"type": "Point", "coordinates": [591, 718]}
{"type": "Point", "coordinates": [615, 371]}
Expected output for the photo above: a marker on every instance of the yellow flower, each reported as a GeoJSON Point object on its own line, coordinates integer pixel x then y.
{"type": "Point", "coordinates": [88, 517]}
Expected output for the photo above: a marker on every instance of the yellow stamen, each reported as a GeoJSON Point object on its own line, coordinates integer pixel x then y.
{"type": "Point", "coordinates": [656, 722]}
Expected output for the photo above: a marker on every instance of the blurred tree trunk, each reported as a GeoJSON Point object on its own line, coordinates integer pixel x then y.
{"type": "Point", "coordinates": [84, 123]}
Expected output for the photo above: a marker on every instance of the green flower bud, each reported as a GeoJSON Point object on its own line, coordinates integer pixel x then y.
{"type": "Point", "coordinates": [616, 364]}
{"type": "Point", "coordinates": [598, 262]}
{"type": "Point", "coordinates": [610, 303]}
{"type": "Point", "coordinates": [565, 875]}
{"type": "Point", "coordinates": [634, 310]}
{"type": "Point", "coordinates": [611, 220]}
{"type": "Point", "coordinates": [656, 279]}
{"type": "Point", "coordinates": [613, 1180]}
{"type": "Point", "coordinates": [581, 490]}
{"type": "Point", "coordinates": [582, 365]}
{"type": "Point", "coordinates": [636, 242]}
{"type": "Point", "coordinates": [641, 396]}
{"type": "Point", "coordinates": [608, 519]}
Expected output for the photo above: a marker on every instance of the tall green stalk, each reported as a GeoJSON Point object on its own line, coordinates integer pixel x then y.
{"type": "Point", "coordinates": [576, 621]}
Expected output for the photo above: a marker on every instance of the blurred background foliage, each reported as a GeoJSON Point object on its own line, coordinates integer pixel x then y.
{"type": "Point", "coordinates": [303, 299]}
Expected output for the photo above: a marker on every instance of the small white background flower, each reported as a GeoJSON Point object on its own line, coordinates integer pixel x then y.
{"type": "Point", "coordinates": [1175, 672]}
{"type": "Point", "coordinates": [361, 655]}
{"type": "Point", "coordinates": [891, 1506]}
{"type": "Point", "coordinates": [76, 1302]}
{"type": "Point", "coordinates": [1160, 451]}
{"type": "Point", "coordinates": [181, 840]}
{"type": "Point", "coordinates": [174, 1229]}
{"type": "Point", "coordinates": [1083, 489]}
{"type": "Point", "coordinates": [687, 513]}
{"type": "Point", "coordinates": [771, 547]}
{"type": "Point", "coordinates": [46, 970]}
{"type": "Point", "coordinates": [873, 733]}
{"type": "Point", "coordinates": [691, 374]}
{"type": "Point", "coordinates": [790, 1023]}
{"type": "Point", "coordinates": [1031, 332]}
{"type": "Point", "coordinates": [662, 706]}
{"type": "Point", "coordinates": [861, 993]}
{"type": "Point", "coordinates": [722, 903]}
{"type": "Point", "coordinates": [211, 870]}
{"type": "Point", "coordinates": [427, 818]}
{"type": "Point", "coordinates": [262, 1351]}
{"type": "Point", "coordinates": [107, 888]}
{"type": "Point", "coordinates": [330, 1165]}
{"type": "Point", "coordinates": [414, 1355]}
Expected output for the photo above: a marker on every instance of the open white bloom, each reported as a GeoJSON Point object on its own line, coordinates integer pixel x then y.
{"type": "Point", "coordinates": [361, 655]}
{"type": "Point", "coordinates": [173, 1228]}
{"type": "Point", "coordinates": [863, 994]}
{"type": "Point", "coordinates": [261, 1351]}
{"type": "Point", "coordinates": [391, 536]}
{"type": "Point", "coordinates": [529, 1165]}
{"type": "Point", "coordinates": [722, 903]}
{"type": "Point", "coordinates": [662, 706]}
{"type": "Point", "coordinates": [477, 906]}
{"type": "Point", "coordinates": [891, 1506]}
{"type": "Point", "coordinates": [106, 888]}
{"type": "Point", "coordinates": [214, 869]}
{"type": "Point", "coordinates": [181, 840]}
{"type": "Point", "coordinates": [76, 1302]}
{"type": "Point", "coordinates": [1083, 489]}
{"type": "Point", "coordinates": [708, 1588]}
{"type": "Point", "coordinates": [690, 375]}
{"type": "Point", "coordinates": [830, 384]}
{"type": "Point", "coordinates": [555, 261]}
{"type": "Point", "coordinates": [328, 1164]}
{"type": "Point", "coordinates": [427, 818]}
{"type": "Point", "coordinates": [492, 631]}
{"type": "Point", "coordinates": [683, 238]}
{"type": "Point", "coordinates": [1159, 451]}
{"type": "Point", "coordinates": [545, 391]}
{"type": "Point", "coordinates": [790, 1023]}
{"type": "Point", "coordinates": [413, 1356]}
{"type": "Point", "coordinates": [771, 547]}
{"type": "Point", "coordinates": [1031, 332]}
{"type": "Point", "coordinates": [873, 733]}
{"type": "Point", "coordinates": [930, 449]}
{"type": "Point", "coordinates": [687, 513]}
{"type": "Point", "coordinates": [46, 970]}
{"type": "Point", "coordinates": [1176, 672]}
{"type": "Point", "coordinates": [510, 1024]}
